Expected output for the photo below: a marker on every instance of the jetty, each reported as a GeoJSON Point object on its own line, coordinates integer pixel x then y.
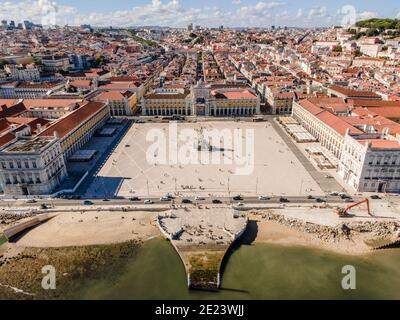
{"type": "Point", "coordinates": [202, 238]}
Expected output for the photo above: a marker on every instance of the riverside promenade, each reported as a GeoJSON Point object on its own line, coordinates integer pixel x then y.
{"type": "Point", "coordinates": [202, 237]}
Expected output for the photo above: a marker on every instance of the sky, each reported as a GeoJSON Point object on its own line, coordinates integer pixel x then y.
{"type": "Point", "coordinates": [210, 13]}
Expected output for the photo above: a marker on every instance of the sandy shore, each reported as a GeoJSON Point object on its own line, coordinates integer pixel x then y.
{"type": "Point", "coordinates": [273, 232]}
{"type": "Point", "coordinates": [92, 228]}
{"type": "Point", "coordinates": [104, 228]}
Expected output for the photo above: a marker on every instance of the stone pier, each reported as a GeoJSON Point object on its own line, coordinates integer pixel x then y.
{"type": "Point", "coordinates": [202, 237]}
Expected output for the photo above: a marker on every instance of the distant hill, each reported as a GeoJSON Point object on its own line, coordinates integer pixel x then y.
{"type": "Point", "coordinates": [381, 24]}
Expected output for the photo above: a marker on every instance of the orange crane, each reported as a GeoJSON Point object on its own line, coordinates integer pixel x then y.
{"type": "Point", "coordinates": [344, 213]}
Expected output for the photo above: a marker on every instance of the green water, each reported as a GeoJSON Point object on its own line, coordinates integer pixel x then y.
{"type": "Point", "coordinates": [254, 272]}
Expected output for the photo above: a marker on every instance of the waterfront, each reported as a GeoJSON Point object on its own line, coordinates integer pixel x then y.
{"type": "Point", "coordinates": [260, 271]}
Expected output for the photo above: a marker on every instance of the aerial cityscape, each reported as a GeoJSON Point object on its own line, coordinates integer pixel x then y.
{"type": "Point", "coordinates": [166, 150]}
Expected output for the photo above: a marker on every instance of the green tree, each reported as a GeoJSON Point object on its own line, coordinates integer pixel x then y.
{"type": "Point", "coordinates": [37, 61]}
{"type": "Point", "coordinates": [338, 49]}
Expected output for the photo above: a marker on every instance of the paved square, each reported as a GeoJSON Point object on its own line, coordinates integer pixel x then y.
{"type": "Point", "coordinates": [276, 169]}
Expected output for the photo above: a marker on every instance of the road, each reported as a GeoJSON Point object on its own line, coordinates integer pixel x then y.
{"type": "Point", "coordinates": [157, 201]}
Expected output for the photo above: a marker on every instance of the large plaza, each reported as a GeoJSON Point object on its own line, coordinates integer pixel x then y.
{"type": "Point", "coordinates": [131, 171]}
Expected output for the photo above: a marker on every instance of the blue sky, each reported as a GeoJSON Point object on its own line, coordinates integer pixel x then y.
{"type": "Point", "coordinates": [178, 13]}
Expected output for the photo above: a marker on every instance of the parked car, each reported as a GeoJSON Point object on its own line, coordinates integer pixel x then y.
{"type": "Point", "coordinates": [88, 203]}
{"type": "Point", "coordinates": [282, 199]}
{"type": "Point", "coordinates": [186, 201]}
{"type": "Point", "coordinates": [263, 198]}
{"type": "Point", "coordinates": [238, 198]}
{"type": "Point", "coordinates": [240, 204]}
{"type": "Point", "coordinates": [200, 198]}
{"type": "Point", "coordinates": [134, 199]}
{"type": "Point", "coordinates": [348, 200]}
{"type": "Point", "coordinates": [31, 201]}
{"type": "Point", "coordinates": [334, 194]}
{"type": "Point", "coordinates": [375, 197]}
{"type": "Point", "coordinates": [216, 201]}
{"type": "Point", "coordinates": [165, 199]}
{"type": "Point", "coordinates": [319, 200]}
{"type": "Point", "coordinates": [148, 202]}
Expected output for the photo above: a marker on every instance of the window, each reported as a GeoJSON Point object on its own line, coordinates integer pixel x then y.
{"type": "Point", "coordinates": [11, 165]}
{"type": "Point", "coordinates": [26, 164]}
{"type": "Point", "coordinates": [34, 164]}
{"type": "Point", "coordinates": [3, 165]}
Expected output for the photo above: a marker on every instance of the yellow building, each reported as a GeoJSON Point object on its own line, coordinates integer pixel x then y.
{"type": "Point", "coordinates": [121, 103]}
{"type": "Point", "coordinates": [177, 102]}
{"type": "Point", "coordinates": [233, 102]}
{"type": "Point", "coordinates": [76, 129]}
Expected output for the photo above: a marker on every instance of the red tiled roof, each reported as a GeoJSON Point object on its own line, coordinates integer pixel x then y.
{"type": "Point", "coordinates": [10, 111]}
{"type": "Point", "coordinates": [382, 144]}
{"type": "Point", "coordinates": [113, 95]}
{"type": "Point", "coordinates": [373, 103]}
{"type": "Point", "coordinates": [328, 118]}
{"type": "Point", "coordinates": [350, 93]}
{"type": "Point", "coordinates": [73, 120]}
{"type": "Point", "coordinates": [238, 94]}
{"type": "Point", "coordinates": [8, 137]}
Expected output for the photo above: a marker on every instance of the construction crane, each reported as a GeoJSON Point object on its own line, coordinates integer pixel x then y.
{"type": "Point", "coordinates": [344, 213]}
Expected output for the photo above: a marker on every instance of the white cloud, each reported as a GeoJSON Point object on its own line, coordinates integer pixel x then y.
{"type": "Point", "coordinates": [317, 12]}
{"type": "Point", "coordinates": [367, 15]}
{"type": "Point", "coordinates": [299, 14]}
{"type": "Point", "coordinates": [169, 13]}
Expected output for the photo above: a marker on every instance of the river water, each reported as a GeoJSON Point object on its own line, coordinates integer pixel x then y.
{"type": "Point", "coordinates": [259, 271]}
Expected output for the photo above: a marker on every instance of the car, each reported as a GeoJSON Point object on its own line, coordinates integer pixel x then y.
{"type": "Point", "coordinates": [282, 199]}
{"type": "Point", "coordinates": [148, 202]}
{"type": "Point", "coordinates": [165, 199]}
{"type": "Point", "coordinates": [31, 201]}
{"type": "Point", "coordinates": [238, 198]}
{"type": "Point", "coordinates": [200, 198]}
{"type": "Point", "coordinates": [310, 197]}
{"type": "Point", "coordinates": [334, 194]}
{"type": "Point", "coordinates": [344, 196]}
{"type": "Point", "coordinates": [348, 200]}
{"type": "Point", "coordinates": [375, 197]}
{"type": "Point", "coordinates": [88, 203]}
{"type": "Point", "coordinates": [106, 200]}
{"type": "Point", "coordinates": [319, 200]}
{"type": "Point", "coordinates": [263, 198]}
{"type": "Point", "coordinates": [134, 199]}
{"type": "Point", "coordinates": [240, 204]}
{"type": "Point", "coordinates": [216, 201]}
{"type": "Point", "coordinates": [186, 201]}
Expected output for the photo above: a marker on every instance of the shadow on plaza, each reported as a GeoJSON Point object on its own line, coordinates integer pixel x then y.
{"type": "Point", "coordinates": [107, 186]}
